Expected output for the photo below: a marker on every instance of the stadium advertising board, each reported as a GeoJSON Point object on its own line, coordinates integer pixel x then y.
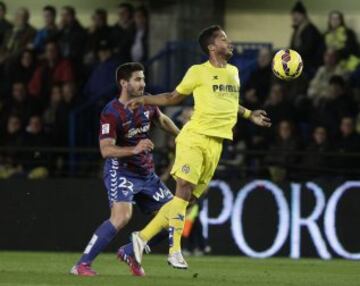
{"type": "Point", "coordinates": [295, 220]}
{"type": "Point", "coordinates": [255, 218]}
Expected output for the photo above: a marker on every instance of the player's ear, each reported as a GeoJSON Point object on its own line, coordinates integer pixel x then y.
{"type": "Point", "coordinates": [211, 47]}
{"type": "Point", "coordinates": [123, 83]}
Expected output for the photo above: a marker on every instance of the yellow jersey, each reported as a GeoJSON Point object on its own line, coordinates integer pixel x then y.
{"type": "Point", "coordinates": [216, 99]}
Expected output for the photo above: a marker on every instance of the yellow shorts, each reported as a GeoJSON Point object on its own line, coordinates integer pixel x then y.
{"type": "Point", "coordinates": [196, 159]}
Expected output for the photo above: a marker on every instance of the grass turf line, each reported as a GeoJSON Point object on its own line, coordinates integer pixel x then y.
{"type": "Point", "coordinates": [44, 268]}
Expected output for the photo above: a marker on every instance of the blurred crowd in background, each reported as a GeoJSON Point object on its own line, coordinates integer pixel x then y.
{"type": "Point", "coordinates": [46, 73]}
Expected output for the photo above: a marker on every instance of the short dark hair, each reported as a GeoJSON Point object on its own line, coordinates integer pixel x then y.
{"type": "Point", "coordinates": [3, 6]}
{"type": "Point", "coordinates": [52, 41]}
{"type": "Point", "coordinates": [125, 70]}
{"type": "Point", "coordinates": [51, 9]}
{"type": "Point", "coordinates": [341, 16]}
{"type": "Point", "coordinates": [101, 12]}
{"type": "Point", "coordinates": [127, 6]}
{"type": "Point", "coordinates": [70, 10]}
{"type": "Point", "coordinates": [206, 37]}
{"type": "Point", "coordinates": [142, 9]}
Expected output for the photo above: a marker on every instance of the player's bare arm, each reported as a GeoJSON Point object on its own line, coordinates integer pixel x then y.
{"type": "Point", "coordinates": [108, 148]}
{"type": "Point", "coordinates": [166, 124]}
{"type": "Point", "coordinates": [162, 99]}
{"type": "Point", "coordinates": [258, 117]}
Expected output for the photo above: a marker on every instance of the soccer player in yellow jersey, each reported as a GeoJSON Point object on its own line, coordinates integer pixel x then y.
{"type": "Point", "coordinates": [215, 86]}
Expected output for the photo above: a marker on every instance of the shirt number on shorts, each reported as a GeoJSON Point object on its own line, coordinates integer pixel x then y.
{"type": "Point", "coordinates": [124, 183]}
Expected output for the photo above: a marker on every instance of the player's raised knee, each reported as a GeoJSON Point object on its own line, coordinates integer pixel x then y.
{"type": "Point", "coordinates": [184, 189]}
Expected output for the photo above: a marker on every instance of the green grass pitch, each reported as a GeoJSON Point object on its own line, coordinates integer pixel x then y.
{"type": "Point", "coordinates": [44, 268]}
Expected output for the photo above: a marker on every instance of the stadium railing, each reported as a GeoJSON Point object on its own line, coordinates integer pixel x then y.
{"type": "Point", "coordinates": [87, 162]}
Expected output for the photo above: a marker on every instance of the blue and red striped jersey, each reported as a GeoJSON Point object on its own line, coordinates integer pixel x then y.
{"type": "Point", "coordinates": [128, 127]}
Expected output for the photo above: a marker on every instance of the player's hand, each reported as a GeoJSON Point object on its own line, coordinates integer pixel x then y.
{"type": "Point", "coordinates": [144, 145]}
{"type": "Point", "coordinates": [135, 103]}
{"type": "Point", "coordinates": [259, 117]}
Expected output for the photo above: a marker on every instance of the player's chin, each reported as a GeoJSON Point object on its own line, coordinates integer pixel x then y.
{"type": "Point", "coordinates": [228, 55]}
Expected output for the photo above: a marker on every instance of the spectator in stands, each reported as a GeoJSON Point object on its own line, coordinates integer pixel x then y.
{"type": "Point", "coordinates": [347, 141]}
{"type": "Point", "coordinates": [19, 37]}
{"type": "Point", "coordinates": [319, 85]}
{"type": "Point", "coordinates": [72, 36]}
{"type": "Point", "coordinates": [98, 32]}
{"type": "Point", "coordinates": [277, 106]}
{"type": "Point", "coordinates": [49, 116]}
{"type": "Point", "coordinates": [315, 162]}
{"type": "Point", "coordinates": [69, 92]}
{"type": "Point", "coordinates": [23, 68]}
{"type": "Point", "coordinates": [338, 104]}
{"type": "Point", "coordinates": [139, 48]}
{"type": "Point", "coordinates": [5, 25]}
{"type": "Point", "coordinates": [124, 32]}
{"type": "Point", "coordinates": [101, 81]}
{"type": "Point", "coordinates": [13, 133]}
{"type": "Point", "coordinates": [257, 87]}
{"type": "Point", "coordinates": [49, 31]}
{"type": "Point", "coordinates": [343, 40]}
{"type": "Point", "coordinates": [306, 39]}
{"type": "Point", "coordinates": [69, 98]}
{"type": "Point", "coordinates": [10, 161]}
{"type": "Point", "coordinates": [281, 159]}
{"type": "Point", "coordinates": [53, 70]}
{"type": "Point", "coordinates": [36, 161]}
{"type": "Point", "coordinates": [19, 103]}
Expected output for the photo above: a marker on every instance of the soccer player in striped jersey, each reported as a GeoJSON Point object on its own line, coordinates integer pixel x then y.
{"type": "Point", "coordinates": [129, 167]}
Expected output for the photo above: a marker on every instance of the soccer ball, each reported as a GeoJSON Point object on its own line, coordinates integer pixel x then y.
{"type": "Point", "coordinates": [287, 64]}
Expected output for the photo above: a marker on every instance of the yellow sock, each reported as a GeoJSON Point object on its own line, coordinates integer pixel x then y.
{"type": "Point", "coordinates": [177, 214]}
{"type": "Point", "coordinates": [158, 223]}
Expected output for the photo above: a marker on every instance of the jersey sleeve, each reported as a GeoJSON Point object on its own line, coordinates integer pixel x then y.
{"type": "Point", "coordinates": [107, 126]}
{"type": "Point", "coordinates": [189, 82]}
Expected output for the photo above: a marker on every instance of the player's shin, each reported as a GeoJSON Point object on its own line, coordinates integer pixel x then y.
{"type": "Point", "coordinates": [157, 224]}
{"type": "Point", "coordinates": [176, 223]}
{"type": "Point", "coordinates": [100, 239]}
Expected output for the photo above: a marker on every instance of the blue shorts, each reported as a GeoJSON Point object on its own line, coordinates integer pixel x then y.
{"type": "Point", "coordinates": [148, 192]}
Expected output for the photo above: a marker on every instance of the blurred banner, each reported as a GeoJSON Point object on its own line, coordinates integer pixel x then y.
{"type": "Point", "coordinates": [254, 218]}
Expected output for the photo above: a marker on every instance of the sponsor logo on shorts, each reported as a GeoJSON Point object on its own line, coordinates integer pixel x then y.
{"type": "Point", "coordinates": [162, 194]}
{"type": "Point", "coordinates": [185, 169]}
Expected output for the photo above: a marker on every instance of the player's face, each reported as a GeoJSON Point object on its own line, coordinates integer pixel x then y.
{"type": "Point", "coordinates": [222, 45]}
{"type": "Point", "coordinates": [136, 84]}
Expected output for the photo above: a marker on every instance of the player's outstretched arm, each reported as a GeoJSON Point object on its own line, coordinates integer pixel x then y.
{"type": "Point", "coordinates": [258, 117]}
{"type": "Point", "coordinates": [162, 99]}
{"type": "Point", "coordinates": [166, 124]}
{"type": "Point", "coordinates": [108, 148]}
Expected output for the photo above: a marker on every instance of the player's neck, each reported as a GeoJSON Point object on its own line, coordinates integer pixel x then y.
{"type": "Point", "coordinates": [217, 62]}
{"type": "Point", "coordinates": [124, 97]}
